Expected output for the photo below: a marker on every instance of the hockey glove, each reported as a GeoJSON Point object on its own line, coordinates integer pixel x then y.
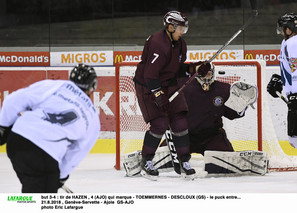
{"type": "Point", "coordinates": [62, 181]}
{"type": "Point", "coordinates": [161, 99]}
{"type": "Point", "coordinates": [200, 67]}
{"type": "Point", "coordinates": [4, 132]}
{"type": "Point", "coordinates": [275, 85]}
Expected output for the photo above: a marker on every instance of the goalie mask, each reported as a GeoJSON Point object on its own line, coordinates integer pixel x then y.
{"type": "Point", "coordinates": [288, 20]}
{"type": "Point", "coordinates": [84, 77]}
{"type": "Point", "coordinates": [208, 79]}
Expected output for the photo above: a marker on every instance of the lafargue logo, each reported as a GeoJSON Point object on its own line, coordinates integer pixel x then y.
{"type": "Point", "coordinates": [21, 199]}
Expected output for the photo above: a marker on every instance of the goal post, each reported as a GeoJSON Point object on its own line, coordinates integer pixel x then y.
{"type": "Point", "coordinates": [255, 131]}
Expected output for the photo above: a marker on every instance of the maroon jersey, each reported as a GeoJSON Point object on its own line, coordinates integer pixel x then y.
{"type": "Point", "coordinates": [160, 60]}
{"type": "Point", "coordinates": [206, 108]}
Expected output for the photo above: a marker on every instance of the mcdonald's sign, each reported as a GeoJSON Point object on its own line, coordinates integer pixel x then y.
{"type": "Point", "coordinates": [119, 56]}
{"type": "Point", "coordinates": [270, 56]}
{"type": "Point", "coordinates": [249, 56]}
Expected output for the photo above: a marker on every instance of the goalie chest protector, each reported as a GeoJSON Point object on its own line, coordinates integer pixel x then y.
{"type": "Point", "coordinates": [206, 108]}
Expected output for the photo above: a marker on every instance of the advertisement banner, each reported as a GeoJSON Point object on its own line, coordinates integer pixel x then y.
{"type": "Point", "coordinates": [103, 98]}
{"type": "Point", "coordinates": [126, 56]}
{"type": "Point", "coordinates": [24, 58]}
{"type": "Point", "coordinates": [104, 101]}
{"type": "Point", "coordinates": [93, 58]}
{"type": "Point", "coordinates": [11, 80]}
{"type": "Point", "coordinates": [58, 74]}
{"type": "Point", "coordinates": [202, 55]}
{"type": "Point", "coordinates": [270, 56]}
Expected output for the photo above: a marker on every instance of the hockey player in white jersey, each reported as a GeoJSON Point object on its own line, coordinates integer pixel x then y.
{"type": "Point", "coordinates": [287, 27]}
{"type": "Point", "coordinates": [54, 125]}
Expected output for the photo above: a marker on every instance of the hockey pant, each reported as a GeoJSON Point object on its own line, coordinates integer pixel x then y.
{"type": "Point", "coordinates": [37, 171]}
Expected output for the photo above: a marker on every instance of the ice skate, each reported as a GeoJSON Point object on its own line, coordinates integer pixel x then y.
{"type": "Point", "coordinates": [148, 170]}
{"type": "Point", "coordinates": [186, 170]}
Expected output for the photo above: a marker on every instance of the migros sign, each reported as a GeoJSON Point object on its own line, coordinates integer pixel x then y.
{"type": "Point", "coordinates": [95, 58]}
{"type": "Point", "coordinates": [207, 54]}
{"type": "Point", "coordinates": [83, 58]}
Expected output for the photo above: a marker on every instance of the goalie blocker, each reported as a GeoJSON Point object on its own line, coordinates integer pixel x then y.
{"type": "Point", "coordinates": [217, 163]}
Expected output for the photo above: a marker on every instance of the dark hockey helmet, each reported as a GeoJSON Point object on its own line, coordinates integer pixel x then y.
{"type": "Point", "coordinates": [84, 77]}
{"type": "Point", "coordinates": [176, 19]}
{"type": "Point", "coordinates": [288, 20]}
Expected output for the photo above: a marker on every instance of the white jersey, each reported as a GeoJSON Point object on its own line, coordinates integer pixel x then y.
{"type": "Point", "coordinates": [288, 65]}
{"type": "Point", "coordinates": [57, 116]}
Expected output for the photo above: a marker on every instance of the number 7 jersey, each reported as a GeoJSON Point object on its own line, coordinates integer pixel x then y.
{"type": "Point", "coordinates": [161, 59]}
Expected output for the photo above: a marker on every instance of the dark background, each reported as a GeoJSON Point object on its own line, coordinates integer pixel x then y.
{"type": "Point", "coordinates": [127, 23]}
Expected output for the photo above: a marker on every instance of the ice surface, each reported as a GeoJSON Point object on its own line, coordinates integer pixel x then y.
{"type": "Point", "coordinates": [96, 174]}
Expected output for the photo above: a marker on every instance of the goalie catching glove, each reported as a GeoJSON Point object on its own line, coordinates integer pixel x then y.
{"type": "Point", "coordinates": [275, 85]}
{"type": "Point", "coordinates": [241, 96]}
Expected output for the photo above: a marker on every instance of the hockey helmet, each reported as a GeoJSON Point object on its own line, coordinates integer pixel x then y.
{"type": "Point", "coordinates": [207, 79]}
{"type": "Point", "coordinates": [288, 20]}
{"type": "Point", "coordinates": [176, 19]}
{"type": "Point", "coordinates": [84, 77]}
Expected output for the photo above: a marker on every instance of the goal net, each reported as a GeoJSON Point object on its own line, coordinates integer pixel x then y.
{"type": "Point", "coordinates": [255, 131]}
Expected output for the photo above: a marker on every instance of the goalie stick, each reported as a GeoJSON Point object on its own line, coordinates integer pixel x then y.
{"type": "Point", "coordinates": [252, 17]}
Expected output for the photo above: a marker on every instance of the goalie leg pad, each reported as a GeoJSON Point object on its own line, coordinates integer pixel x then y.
{"type": "Point", "coordinates": [236, 163]}
{"type": "Point", "coordinates": [131, 163]}
{"type": "Point", "coordinates": [162, 161]}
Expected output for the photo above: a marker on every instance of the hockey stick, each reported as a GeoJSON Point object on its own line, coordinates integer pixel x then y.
{"type": "Point", "coordinates": [251, 18]}
{"type": "Point", "coordinates": [282, 97]}
{"type": "Point", "coordinates": [172, 150]}
{"type": "Point", "coordinates": [66, 189]}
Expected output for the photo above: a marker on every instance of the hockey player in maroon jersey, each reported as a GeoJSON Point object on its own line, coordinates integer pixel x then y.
{"type": "Point", "coordinates": [163, 56]}
{"type": "Point", "coordinates": [206, 99]}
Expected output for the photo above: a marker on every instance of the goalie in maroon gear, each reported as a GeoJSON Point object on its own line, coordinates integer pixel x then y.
{"type": "Point", "coordinates": [205, 98]}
